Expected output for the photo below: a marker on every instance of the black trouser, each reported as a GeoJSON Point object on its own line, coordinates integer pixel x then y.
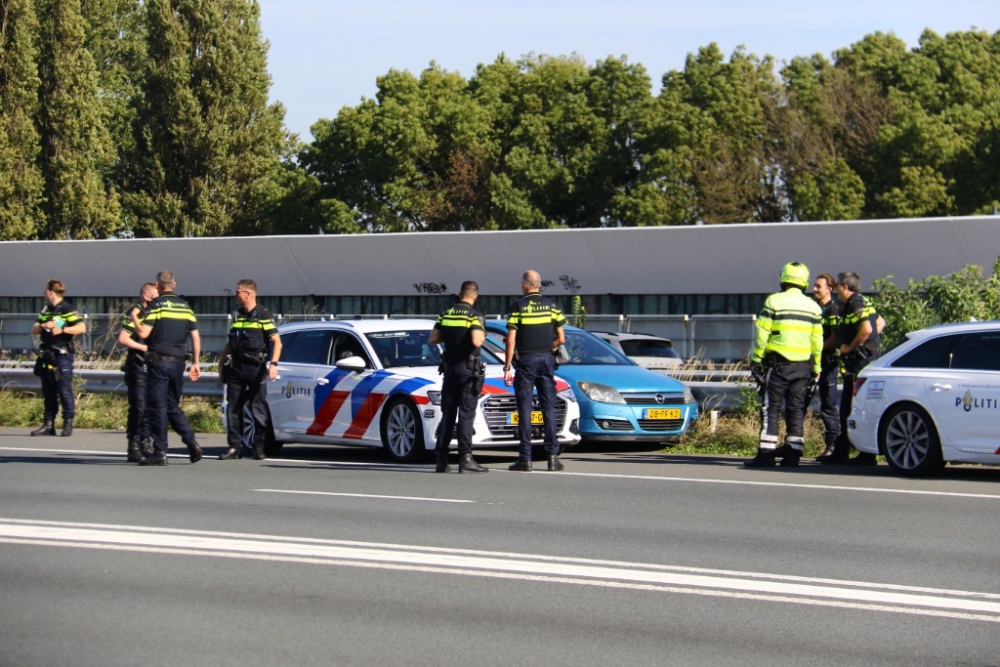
{"type": "Point", "coordinates": [842, 447]}
{"type": "Point", "coordinates": [164, 385]}
{"type": "Point", "coordinates": [135, 379]}
{"type": "Point", "coordinates": [57, 387]}
{"type": "Point", "coordinates": [828, 401]}
{"type": "Point", "coordinates": [787, 382]}
{"type": "Point", "coordinates": [246, 393]}
{"type": "Point", "coordinates": [458, 400]}
{"type": "Point", "coordinates": [536, 371]}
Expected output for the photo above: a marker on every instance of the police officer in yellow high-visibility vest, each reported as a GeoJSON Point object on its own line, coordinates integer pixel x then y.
{"type": "Point", "coordinates": [786, 360]}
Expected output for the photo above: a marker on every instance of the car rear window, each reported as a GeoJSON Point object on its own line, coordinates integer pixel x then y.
{"type": "Point", "coordinates": [649, 348]}
{"type": "Point", "coordinates": [978, 351]}
{"type": "Point", "coordinates": [309, 346]}
{"type": "Point", "coordinates": [933, 353]}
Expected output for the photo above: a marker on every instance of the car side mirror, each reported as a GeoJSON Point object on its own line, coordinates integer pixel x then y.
{"type": "Point", "coordinates": [356, 364]}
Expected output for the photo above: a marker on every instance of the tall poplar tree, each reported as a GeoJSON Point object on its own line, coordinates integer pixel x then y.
{"type": "Point", "coordinates": [210, 141]}
{"type": "Point", "coordinates": [76, 147]}
{"type": "Point", "coordinates": [21, 184]}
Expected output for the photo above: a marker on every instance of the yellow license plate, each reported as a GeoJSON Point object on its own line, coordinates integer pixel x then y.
{"type": "Point", "coordinates": [515, 418]}
{"type": "Point", "coordinates": [663, 413]}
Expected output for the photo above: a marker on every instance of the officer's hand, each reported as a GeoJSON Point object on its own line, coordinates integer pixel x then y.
{"type": "Point", "coordinates": [815, 377]}
{"type": "Point", "coordinates": [272, 373]}
{"type": "Point", "coordinates": [756, 367]}
{"type": "Point", "coordinates": [56, 330]}
{"type": "Point", "coordinates": [845, 349]}
{"type": "Point", "coordinates": [195, 372]}
{"type": "Point", "coordinates": [508, 377]}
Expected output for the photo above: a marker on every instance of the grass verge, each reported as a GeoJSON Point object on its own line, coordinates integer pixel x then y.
{"type": "Point", "coordinates": [102, 411]}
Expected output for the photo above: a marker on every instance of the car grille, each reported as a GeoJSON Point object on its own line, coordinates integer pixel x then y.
{"type": "Point", "coordinates": [650, 399]}
{"type": "Point", "coordinates": [660, 424]}
{"type": "Point", "coordinates": [495, 410]}
{"type": "Point", "coordinates": [614, 424]}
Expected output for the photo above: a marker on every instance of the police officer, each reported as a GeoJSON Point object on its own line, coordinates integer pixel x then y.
{"type": "Point", "coordinates": [461, 330]}
{"type": "Point", "coordinates": [786, 359]}
{"type": "Point", "coordinates": [860, 328]}
{"type": "Point", "coordinates": [165, 329]}
{"type": "Point", "coordinates": [830, 365]}
{"type": "Point", "coordinates": [534, 329]}
{"type": "Point", "coordinates": [249, 359]}
{"type": "Point", "coordinates": [56, 325]}
{"type": "Point", "coordinates": [137, 429]}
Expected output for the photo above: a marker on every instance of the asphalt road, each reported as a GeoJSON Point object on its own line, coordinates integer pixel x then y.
{"type": "Point", "coordinates": [330, 556]}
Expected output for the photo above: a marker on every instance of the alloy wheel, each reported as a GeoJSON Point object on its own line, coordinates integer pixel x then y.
{"type": "Point", "coordinates": [907, 440]}
{"type": "Point", "coordinates": [401, 430]}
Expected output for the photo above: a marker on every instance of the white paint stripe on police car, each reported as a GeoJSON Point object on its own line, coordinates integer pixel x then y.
{"type": "Point", "coordinates": [634, 576]}
{"type": "Point", "coordinates": [364, 495]}
{"type": "Point", "coordinates": [502, 554]}
{"type": "Point", "coordinates": [653, 478]}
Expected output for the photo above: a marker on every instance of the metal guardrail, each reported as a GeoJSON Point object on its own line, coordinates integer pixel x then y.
{"type": "Point", "coordinates": [105, 382]}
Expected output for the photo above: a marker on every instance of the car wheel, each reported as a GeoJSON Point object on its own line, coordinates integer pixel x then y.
{"type": "Point", "coordinates": [403, 432]}
{"type": "Point", "coordinates": [910, 442]}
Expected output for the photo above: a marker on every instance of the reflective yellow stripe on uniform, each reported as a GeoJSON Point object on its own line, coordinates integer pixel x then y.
{"type": "Point", "coordinates": [790, 325]}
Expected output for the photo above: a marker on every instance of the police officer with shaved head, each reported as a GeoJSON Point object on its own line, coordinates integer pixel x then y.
{"type": "Point", "coordinates": [460, 329]}
{"type": "Point", "coordinates": [785, 361]}
{"type": "Point", "coordinates": [534, 329]}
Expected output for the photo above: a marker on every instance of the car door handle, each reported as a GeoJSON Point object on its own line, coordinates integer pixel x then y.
{"type": "Point", "coordinates": [322, 381]}
{"type": "Point", "coordinates": [941, 387]}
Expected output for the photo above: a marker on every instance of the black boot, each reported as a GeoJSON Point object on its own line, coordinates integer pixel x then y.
{"type": "Point", "coordinates": [258, 453]}
{"type": "Point", "coordinates": [67, 429]}
{"type": "Point", "coordinates": [232, 453]}
{"type": "Point", "coordinates": [520, 466]}
{"type": "Point", "coordinates": [468, 464]}
{"type": "Point", "coordinates": [555, 465]}
{"type": "Point", "coordinates": [48, 428]}
{"type": "Point", "coordinates": [133, 454]}
{"type": "Point", "coordinates": [146, 447]}
{"type": "Point", "coordinates": [442, 460]}
{"type": "Point", "coordinates": [764, 459]}
{"type": "Point", "coordinates": [157, 458]}
{"type": "Point", "coordinates": [838, 454]}
{"type": "Point", "coordinates": [790, 461]}
{"type": "Point", "coordinates": [863, 459]}
{"type": "Point", "coordinates": [194, 452]}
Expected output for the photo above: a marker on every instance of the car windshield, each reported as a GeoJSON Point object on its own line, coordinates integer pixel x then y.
{"type": "Point", "coordinates": [648, 348]}
{"type": "Point", "coordinates": [408, 348]}
{"type": "Point", "coordinates": [586, 349]}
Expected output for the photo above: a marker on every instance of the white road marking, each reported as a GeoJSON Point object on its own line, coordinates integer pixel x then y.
{"type": "Point", "coordinates": [364, 495]}
{"type": "Point", "coordinates": [654, 478]}
{"type": "Point", "coordinates": [637, 576]}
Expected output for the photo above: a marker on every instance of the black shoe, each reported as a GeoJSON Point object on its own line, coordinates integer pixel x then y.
{"type": "Point", "coordinates": [833, 459]}
{"type": "Point", "coordinates": [790, 462]}
{"type": "Point", "coordinates": [761, 461]}
{"type": "Point", "coordinates": [67, 429]}
{"type": "Point", "coordinates": [133, 454]}
{"type": "Point", "coordinates": [157, 458]}
{"type": "Point", "coordinates": [442, 460]}
{"type": "Point", "coordinates": [827, 452]}
{"type": "Point", "coordinates": [468, 464]}
{"type": "Point", "coordinates": [555, 465]}
{"type": "Point", "coordinates": [232, 453]}
{"type": "Point", "coordinates": [521, 466]}
{"type": "Point", "coordinates": [146, 447]}
{"type": "Point", "coordinates": [194, 452]}
{"type": "Point", "coordinates": [863, 459]}
{"type": "Point", "coordinates": [258, 454]}
{"type": "Point", "coordinates": [48, 428]}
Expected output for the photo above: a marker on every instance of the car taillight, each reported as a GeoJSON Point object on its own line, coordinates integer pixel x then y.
{"type": "Point", "coordinates": [858, 384]}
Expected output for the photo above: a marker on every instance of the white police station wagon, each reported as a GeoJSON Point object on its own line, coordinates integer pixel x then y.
{"type": "Point", "coordinates": [935, 398]}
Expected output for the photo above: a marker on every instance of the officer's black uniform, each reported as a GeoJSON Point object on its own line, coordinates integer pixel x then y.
{"type": "Point", "coordinates": [172, 321]}
{"type": "Point", "coordinates": [55, 368]}
{"type": "Point", "coordinates": [535, 318]}
{"type": "Point", "coordinates": [136, 428]}
{"type": "Point", "coordinates": [853, 313]}
{"type": "Point", "coordinates": [250, 337]}
{"type": "Point", "coordinates": [828, 375]}
{"type": "Point", "coordinates": [462, 383]}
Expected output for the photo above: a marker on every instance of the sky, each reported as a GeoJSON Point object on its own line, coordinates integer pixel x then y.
{"type": "Point", "coordinates": [326, 54]}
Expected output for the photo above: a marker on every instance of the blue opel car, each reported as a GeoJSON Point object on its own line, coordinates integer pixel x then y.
{"type": "Point", "coordinates": [618, 399]}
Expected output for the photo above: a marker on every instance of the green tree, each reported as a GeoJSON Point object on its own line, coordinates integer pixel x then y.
{"type": "Point", "coordinates": [209, 142]}
{"type": "Point", "coordinates": [836, 193]}
{"type": "Point", "coordinates": [21, 182]}
{"type": "Point", "coordinates": [76, 149]}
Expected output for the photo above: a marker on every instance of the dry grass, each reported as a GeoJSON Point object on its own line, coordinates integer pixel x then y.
{"type": "Point", "coordinates": [737, 434]}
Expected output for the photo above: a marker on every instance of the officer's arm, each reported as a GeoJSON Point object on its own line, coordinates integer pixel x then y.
{"type": "Point", "coordinates": [435, 337]}
{"type": "Point", "coordinates": [879, 325]}
{"type": "Point", "coordinates": [863, 333]}
{"type": "Point", "coordinates": [763, 333]}
{"type": "Point", "coordinates": [830, 343]}
{"type": "Point", "coordinates": [125, 340]}
{"type": "Point", "coordinates": [142, 329]}
{"type": "Point", "coordinates": [509, 352]}
{"type": "Point", "coordinates": [224, 355]}
{"type": "Point", "coordinates": [36, 329]}
{"type": "Point", "coordinates": [478, 336]}
{"type": "Point", "coordinates": [195, 371]}
{"type": "Point", "coordinates": [276, 349]}
{"type": "Point", "coordinates": [76, 329]}
{"type": "Point", "coordinates": [560, 337]}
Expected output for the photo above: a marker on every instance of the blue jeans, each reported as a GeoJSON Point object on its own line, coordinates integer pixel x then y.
{"type": "Point", "coordinates": [164, 384]}
{"type": "Point", "coordinates": [57, 387]}
{"type": "Point", "coordinates": [536, 371]}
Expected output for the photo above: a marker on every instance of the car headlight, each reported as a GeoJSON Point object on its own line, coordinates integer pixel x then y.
{"type": "Point", "coordinates": [567, 394]}
{"type": "Point", "coordinates": [601, 393]}
{"type": "Point", "coordinates": [435, 397]}
{"type": "Point", "coordinates": [688, 396]}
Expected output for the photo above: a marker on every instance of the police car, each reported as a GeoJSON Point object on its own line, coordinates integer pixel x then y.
{"type": "Point", "coordinates": [375, 383]}
{"type": "Point", "coordinates": [933, 399]}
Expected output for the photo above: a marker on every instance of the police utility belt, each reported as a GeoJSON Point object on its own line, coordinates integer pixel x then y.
{"type": "Point", "coordinates": [45, 362]}
{"type": "Point", "coordinates": [156, 358]}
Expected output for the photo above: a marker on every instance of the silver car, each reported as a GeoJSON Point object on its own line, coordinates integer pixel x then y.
{"type": "Point", "coordinates": [646, 350]}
